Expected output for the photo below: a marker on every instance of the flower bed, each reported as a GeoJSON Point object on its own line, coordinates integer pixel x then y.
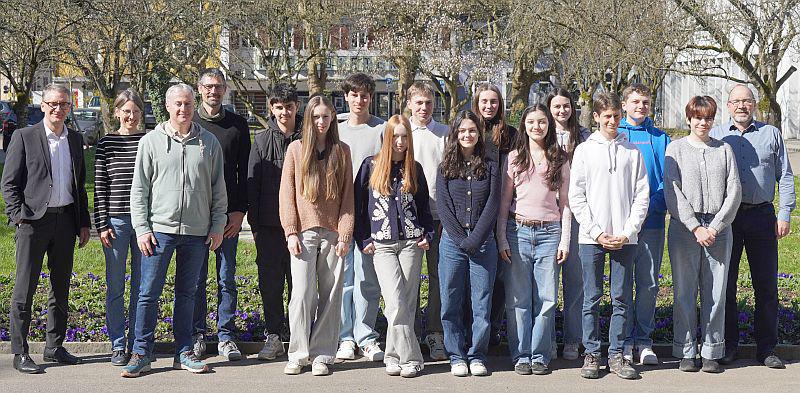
{"type": "Point", "coordinates": [87, 310]}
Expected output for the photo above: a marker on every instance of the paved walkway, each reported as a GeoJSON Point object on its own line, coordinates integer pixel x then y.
{"type": "Point", "coordinates": [251, 375]}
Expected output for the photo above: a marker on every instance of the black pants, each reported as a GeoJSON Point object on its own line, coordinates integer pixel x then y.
{"type": "Point", "coordinates": [272, 259]}
{"type": "Point", "coordinates": [754, 231]}
{"type": "Point", "coordinates": [53, 234]}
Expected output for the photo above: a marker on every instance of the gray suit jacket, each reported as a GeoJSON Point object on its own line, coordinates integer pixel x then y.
{"type": "Point", "coordinates": [27, 176]}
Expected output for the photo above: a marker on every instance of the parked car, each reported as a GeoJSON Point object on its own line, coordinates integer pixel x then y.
{"type": "Point", "coordinates": [35, 114]}
{"type": "Point", "coordinates": [88, 122]}
{"type": "Point", "coordinates": [8, 122]}
{"type": "Point", "coordinates": [150, 121]}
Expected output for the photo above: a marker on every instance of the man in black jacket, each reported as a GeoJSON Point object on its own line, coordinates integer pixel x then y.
{"type": "Point", "coordinates": [233, 134]}
{"type": "Point", "coordinates": [264, 179]}
{"type": "Point", "coordinates": [43, 187]}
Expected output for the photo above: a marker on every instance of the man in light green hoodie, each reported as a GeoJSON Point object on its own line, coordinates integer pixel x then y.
{"type": "Point", "coordinates": [178, 204]}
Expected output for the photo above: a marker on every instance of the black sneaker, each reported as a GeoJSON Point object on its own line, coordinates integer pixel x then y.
{"type": "Point", "coordinates": [773, 361]}
{"type": "Point", "coordinates": [711, 366]}
{"type": "Point", "coordinates": [688, 365]}
{"type": "Point", "coordinates": [523, 368]}
{"type": "Point", "coordinates": [591, 366]}
{"type": "Point", "coordinates": [539, 368]}
{"type": "Point", "coordinates": [621, 366]}
{"type": "Point", "coordinates": [119, 357]}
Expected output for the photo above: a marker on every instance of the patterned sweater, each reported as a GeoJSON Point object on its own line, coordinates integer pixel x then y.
{"type": "Point", "coordinates": [399, 216]}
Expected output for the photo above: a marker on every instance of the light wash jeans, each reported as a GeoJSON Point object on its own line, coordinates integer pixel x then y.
{"type": "Point", "coordinates": [646, 267]}
{"type": "Point", "coordinates": [361, 298]}
{"type": "Point", "coordinates": [315, 307]}
{"type": "Point", "coordinates": [398, 265]}
{"type": "Point", "coordinates": [531, 290]}
{"type": "Point", "coordinates": [116, 258]}
{"type": "Point", "coordinates": [463, 275]}
{"type": "Point", "coordinates": [190, 252]}
{"type": "Point", "coordinates": [593, 259]}
{"type": "Point", "coordinates": [706, 268]}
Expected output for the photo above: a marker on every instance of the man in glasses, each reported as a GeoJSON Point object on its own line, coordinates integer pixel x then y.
{"type": "Point", "coordinates": [233, 134]}
{"type": "Point", "coordinates": [43, 187]}
{"type": "Point", "coordinates": [763, 161]}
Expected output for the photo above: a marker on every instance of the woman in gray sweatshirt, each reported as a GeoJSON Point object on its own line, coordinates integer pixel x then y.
{"type": "Point", "coordinates": [703, 192]}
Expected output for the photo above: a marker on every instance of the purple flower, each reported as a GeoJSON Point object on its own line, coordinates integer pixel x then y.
{"type": "Point", "coordinates": [244, 315]}
{"type": "Point", "coordinates": [743, 317]}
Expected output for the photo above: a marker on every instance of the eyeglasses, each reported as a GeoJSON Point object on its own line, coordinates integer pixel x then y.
{"type": "Point", "coordinates": [128, 112]}
{"type": "Point", "coordinates": [58, 105]}
{"type": "Point", "coordinates": [212, 86]}
{"type": "Point", "coordinates": [746, 102]}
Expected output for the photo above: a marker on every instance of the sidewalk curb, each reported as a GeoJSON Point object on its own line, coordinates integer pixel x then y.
{"type": "Point", "coordinates": [784, 351]}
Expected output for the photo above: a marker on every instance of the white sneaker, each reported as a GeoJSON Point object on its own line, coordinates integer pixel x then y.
{"type": "Point", "coordinates": [393, 369]}
{"type": "Point", "coordinates": [229, 350]}
{"type": "Point", "coordinates": [435, 343]}
{"type": "Point", "coordinates": [373, 352]}
{"type": "Point", "coordinates": [478, 369]}
{"type": "Point", "coordinates": [459, 369]}
{"type": "Point", "coordinates": [347, 350]}
{"type": "Point", "coordinates": [647, 356]}
{"type": "Point", "coordinates": [410, 370]}
{"type": "Point", "coordinates": [554, 352]}
{"type": "Point", "coordinates": [292, 368]}
{"type": "Point", "coordinates": [571, 351]}
{"type": "Point", "coordinates": [273, 347]}
{"type": "Point", "coordinates": [319, 368]}
{"type": "Point", "coordinates": [198, 345]}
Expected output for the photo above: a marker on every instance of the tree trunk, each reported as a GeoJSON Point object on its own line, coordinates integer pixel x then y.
{"type": "Point", "coordinates": [21, 108]}
{"type": "Point", "coordinates": [585, 103]}
{"type": "Point", "coordinates": [521, 82]}
{"type": "Point", "coordinates": [317, 74]}
{"type": "Point", "coordinates": [407, 67]}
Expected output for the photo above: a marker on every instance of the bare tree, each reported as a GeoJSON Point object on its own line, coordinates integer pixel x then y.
{"type": "Point", "coordinates": [33, 34]}
{"type": "Point", "coordinates": [755, 34]}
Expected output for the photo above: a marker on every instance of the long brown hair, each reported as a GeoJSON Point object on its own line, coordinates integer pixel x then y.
{"type": "Point", "coordinates": [382, 169]}
{"type": "Point", "coordinates": [453, 165]}
{"type": "Point", "coordinates": [556, 157]}
{"type": "Point", "coordinates": [499, 132]}
{"type": "Point", "coordinates": [574, 129]}
{"type": "Point", "coordinates": [311, 169]}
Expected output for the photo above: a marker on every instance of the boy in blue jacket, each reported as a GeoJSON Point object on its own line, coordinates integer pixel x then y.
{"type": "Point", "coordinates": [652, 142]}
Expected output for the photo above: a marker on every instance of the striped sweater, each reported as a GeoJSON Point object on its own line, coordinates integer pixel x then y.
{"type": "Point", "coordinates": [114, 162]}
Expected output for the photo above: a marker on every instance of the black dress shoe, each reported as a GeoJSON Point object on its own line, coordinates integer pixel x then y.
{"type": "Point", "coordinates": [120, 358]}
{"type": "Point", "coordinates": [729, 358]}
{"type": "Point", "coordinates": [60, 355]}
{"type": "Point", "coordinates": [25, 364]}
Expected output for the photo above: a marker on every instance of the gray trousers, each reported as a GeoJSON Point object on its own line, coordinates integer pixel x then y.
{"type": "Point", "coordinates": [314, 309]}
{"type": "Point", "coordinates": [398, 265]}
{"type": "Point", "coordinates": [694, 268]}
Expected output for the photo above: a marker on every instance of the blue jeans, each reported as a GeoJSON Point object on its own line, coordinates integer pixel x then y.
{"type": "Point", "coordinates": [531, 282]}
{"type": "Point", "coordinates": [572, 287]}
{"type": "Point", "coordinates": [706, 268]}
{"type": "Point", "coordinates": [621, 280]}
{"type": "Point", "coordinates": [116, 258]}
{"type": "Point", "coordinates": [226, 292]}
{"type": "Point", "coordinates": [361, 299]}
{"type": "Point", "coordinates": [461, 275]}
{"type": "Point", "coordinates": [646, 267]}
{"type": "Point", "coordinates": [190, 254]}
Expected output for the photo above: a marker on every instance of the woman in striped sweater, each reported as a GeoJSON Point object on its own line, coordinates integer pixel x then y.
{"type": "Point", "coordinates": [115, 156]}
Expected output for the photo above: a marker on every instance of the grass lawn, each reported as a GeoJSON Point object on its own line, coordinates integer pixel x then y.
{"type": "Point", "coordinates": [91, 259]}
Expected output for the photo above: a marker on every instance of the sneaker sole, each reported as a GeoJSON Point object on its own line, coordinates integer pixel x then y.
{"type": "Point", "coordinates": [590, 375]}
{"type": "Point", "coordinates": [126, 374]}
{"type": "Point", "coordinates": [232, 357]}
{"type": "Point", "coordinates": [320, 373]}
{"type": "Point", "coordinates": [291, 372]}
{"type": "Point", "coordinates": [394, 373]}
{"type": "Point", "coordinates": [649, 361]}
{"type": "Point", "coordinates": [181, 366]}
{"type": "Point", "coordinates": [408, 375]}
{"type": "Point", "coordinates": [378, 357]}
{"type": "Point", "coordinates": [346, 357]}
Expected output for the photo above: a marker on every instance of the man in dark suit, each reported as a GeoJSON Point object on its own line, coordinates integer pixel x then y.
{"type": "Point", "coordinates": [43, 187]}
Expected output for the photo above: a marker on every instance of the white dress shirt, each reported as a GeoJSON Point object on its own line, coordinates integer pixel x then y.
{"type": "Point", "coordinates": [61, 168]}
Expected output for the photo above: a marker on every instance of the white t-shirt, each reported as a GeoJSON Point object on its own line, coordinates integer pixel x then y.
{"type": "Point", "coordinates": [364, 140]}
{"type": "Point", "coordinates": [429, 151]}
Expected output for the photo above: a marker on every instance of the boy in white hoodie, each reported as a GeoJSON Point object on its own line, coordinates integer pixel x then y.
{"type": "Point", "coordinates": [609, 196]}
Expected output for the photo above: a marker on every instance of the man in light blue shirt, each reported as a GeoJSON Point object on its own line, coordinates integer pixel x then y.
{"type": "Point", "coordinates": [763, 161]}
